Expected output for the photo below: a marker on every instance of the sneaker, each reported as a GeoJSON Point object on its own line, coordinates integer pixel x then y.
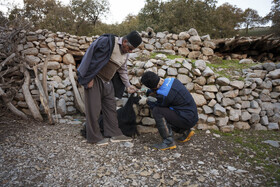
{"type": "Point", "coordinates": [105, 141]}
{"type": "Point", "coordinates": [121, 138]}
{"type": "Point", "coordinates": [186, 136]}
{"type": "Point", "coordinates": [165, 145]}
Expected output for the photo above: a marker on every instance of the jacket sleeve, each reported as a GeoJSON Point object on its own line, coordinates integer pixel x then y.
{"type": "Point", "coordinates": [96, 57]}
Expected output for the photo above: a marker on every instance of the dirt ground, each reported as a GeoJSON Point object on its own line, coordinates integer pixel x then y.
{"type": "Point", "coordinates": [37, 154]}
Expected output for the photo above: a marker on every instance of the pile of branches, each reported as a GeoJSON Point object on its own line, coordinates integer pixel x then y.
{"type": "Point", "coordinates": [15, 71]}
{"type": "Point", "coordinates": [258, 48]}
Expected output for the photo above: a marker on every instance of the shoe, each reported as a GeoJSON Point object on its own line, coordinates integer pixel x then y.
{"type": "Point", "coordinates": [121, 138]}
{"type": "Point", "coordinates": [186, 136]}
{"type": "Point", "coordinates": [105, 141]}
{"type": "Point", "coordinates": [165, 145]}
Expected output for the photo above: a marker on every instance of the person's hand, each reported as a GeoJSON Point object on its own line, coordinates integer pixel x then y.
{"type": "Point", "coordinates": [90, 84]}
{"type": "Point", "coordinates": [131, 89]}
{"type": "Point", "coordinates": [152, 99]}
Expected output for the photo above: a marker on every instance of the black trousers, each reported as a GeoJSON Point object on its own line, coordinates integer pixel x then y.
{"type": "Point", "coordinates": [101, 98]}
{"type": "Point", "coordinates": [177, 123]}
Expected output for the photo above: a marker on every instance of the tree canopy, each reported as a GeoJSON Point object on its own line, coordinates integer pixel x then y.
{"type": "Point", "coordinates": [83, 17]}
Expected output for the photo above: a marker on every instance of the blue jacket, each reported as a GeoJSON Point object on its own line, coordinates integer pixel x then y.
{"type": "Point", "coordinates": [174, 95]}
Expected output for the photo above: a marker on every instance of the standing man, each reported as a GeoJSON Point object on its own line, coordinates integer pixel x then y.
{"type": "Point", "coordinates": [106, 56]}
{"type": "Point", "coordinates": [174, 108]}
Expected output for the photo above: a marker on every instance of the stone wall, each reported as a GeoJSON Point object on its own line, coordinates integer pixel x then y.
{"type": "Point", "coordinates": [223, 104]}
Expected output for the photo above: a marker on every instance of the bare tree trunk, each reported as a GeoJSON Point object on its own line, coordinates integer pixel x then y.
{"type": "Point", "coordinates": [43, 97]}
{"type": "Point", "coordinates": [32, 105]}
{"type": "Point", "coordinates": [10, 106]}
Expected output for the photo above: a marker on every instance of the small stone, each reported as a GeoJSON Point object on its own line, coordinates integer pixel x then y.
{"type": "Point", "coordinates": [272, 143]}
{"type": "Point", "coordinates": [200, 162]}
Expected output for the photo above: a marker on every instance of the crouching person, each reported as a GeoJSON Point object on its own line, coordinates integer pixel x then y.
{"type": "Point", "coordinates": [173, 109]}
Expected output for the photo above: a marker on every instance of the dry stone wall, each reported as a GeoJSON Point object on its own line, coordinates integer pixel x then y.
{"type": "Point", "coordinates": [223, 104]}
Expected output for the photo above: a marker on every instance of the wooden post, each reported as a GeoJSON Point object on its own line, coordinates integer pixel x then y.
{"type": "Point", "coordinates": [43, 98]}
{"type": "Point", "coordinates": [80, 103]}
{"type": "Point", "coordinates": [32, 105]}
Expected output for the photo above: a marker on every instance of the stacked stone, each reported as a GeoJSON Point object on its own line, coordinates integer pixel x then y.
{"type": "Point", "coordinates": [188, 44]}
{"type": "Point", "coordinates": [60, 48]}
{"type": "Point", "coordinates": [223, 104]}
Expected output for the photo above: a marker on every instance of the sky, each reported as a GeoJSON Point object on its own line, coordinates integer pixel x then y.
{"type": "Point", "coordinates": [119, 9]}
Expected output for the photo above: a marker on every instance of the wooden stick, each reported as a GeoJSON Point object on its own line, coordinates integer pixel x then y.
{"type": "Point", "coordinates": [80, 103]}
{"type": "Point", "coordinates": [7, 60]}
{"type": "Point", "coordinates": [43, 98]}
{"type": "Point", "coordinates": [10, 106]}
{"type": "Point", "coordinates": [45, 69]}
{"type": "Point", "coordinates": [32, 105]}
{"type": "Point", "coordinates": [54, 104]}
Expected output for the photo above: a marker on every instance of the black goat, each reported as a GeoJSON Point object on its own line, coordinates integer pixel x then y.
{"type": "Point", "coordinates": [126, 118]}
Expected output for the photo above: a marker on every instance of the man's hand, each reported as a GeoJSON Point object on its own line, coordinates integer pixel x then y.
{"type": "Point", "coordinates": [90, 84]}
{"type": "Point", "coordinates": [131, 89]}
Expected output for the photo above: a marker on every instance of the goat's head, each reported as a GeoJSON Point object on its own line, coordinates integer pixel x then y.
{"type": "Point", "coordinates": [134, 98]}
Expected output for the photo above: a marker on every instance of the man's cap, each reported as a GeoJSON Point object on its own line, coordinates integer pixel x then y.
{"type": "Point", "coordinates": [134, 38]}
{"type": "Point", "coordinates": [150, 79]}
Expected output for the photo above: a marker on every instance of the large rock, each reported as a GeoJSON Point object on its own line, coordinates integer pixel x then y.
{"type": "Point", "coordinates": [245, 116]}
{"type": "Point", "coordinates": [56, 58]}
{"type": "Point", "coordinates": [222, 121]}
{"type": "Point", "coordinates": [184, 36]}
{"type": "Point", "coordinates": [61, 107]}
{"type": "Point", "coordinates": [273, 126]}
{"type": "Point", "coordinates": [192, 32]}
{"type": "Point", "coordinates": [269, 66]}
{"type": "Point", "coordinates": [207, 51]}
{"type": "Point", "coordinates": [172, 71]}
{"type": "Point", "coordinates": [210, 88]}
{"type": "Point", "coordinates": [274, 74]}
{"type": "Point", "coordinates": [69, 59]}
{"type": "Point", "coordinates": [194, 54]}
{"type": "Point", "coordinates": [148, 121]}
{"type": "Point", "coordinates": [231, 93]}
{"type": "Point", "coordinates": [195, 39]}
{"type": "Point", "coordinates": [199, 99]}
{"type": "Point", "coordinates": [234, 115]}
{"type": "Point", "coordinates": [30, 51]}
{"type": "Point", "coordinates": [222, 81]}
{"type": "Point", "coordinates": [183, 51]}
{"type": "Point", "coordinates": [181, 43]}
{"type": "Point", "coordinates": [219, 110]}
{"type": "Point", "coordinates": [227, 128]}
{"type": "Point", "coordinates": [259, 127]}
{"type": "Point", "coordinates": [200, 64]}
{"type": "Point", "coordinates": [146, 129]}
{"type": "Point", "coordinates": [32, 60]}
{"type": "Point", "coordinates": [241, 125]}
{"type": "Point", "coordinates": [246, 61]}
{"type": "Point", "coordinates": [51, 65]}
{"type": "Point", "coordinates": [237, 84]}
{"type": "Point", "coordinates": [208, 72]}
{"type": "Point", "coordinates": [184, 78]}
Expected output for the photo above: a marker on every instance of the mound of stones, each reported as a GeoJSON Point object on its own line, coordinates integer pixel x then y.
{"type": "Point", "coordinates": [223, 104]}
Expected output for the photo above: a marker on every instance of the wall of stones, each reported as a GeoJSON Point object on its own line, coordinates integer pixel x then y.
{"type": "Point", "coordinates": [223, 104]}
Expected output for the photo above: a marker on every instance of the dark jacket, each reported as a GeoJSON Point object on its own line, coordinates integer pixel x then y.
{"type": "Point", "coordinates": [174, 95]}
{"type": "Point", "coordinates": [96, 57]}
